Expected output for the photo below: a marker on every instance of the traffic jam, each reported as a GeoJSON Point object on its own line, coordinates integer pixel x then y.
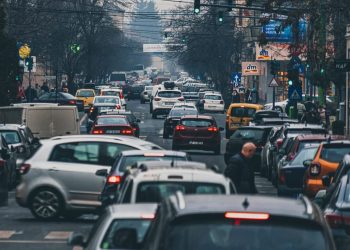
{"type": "Point", "coordinates": [92, 158]}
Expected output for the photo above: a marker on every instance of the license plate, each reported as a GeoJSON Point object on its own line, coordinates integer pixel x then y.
{"type": "Point", "coordinates": [196, 142]}
{"type": "Point", "coordinates": [112, 131]}
{"type": "Point", "coordinates": [168, 103]}
{"type": "Point", "coordinates": [211, 106]}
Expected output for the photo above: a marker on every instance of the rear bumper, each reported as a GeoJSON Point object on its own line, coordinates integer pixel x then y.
{"type": "Point", "coordinates": [312, 186]}
{"type": "Point", "coordinates": [214, 107]}
{"type": "Point", "coordinates": [161, 111]}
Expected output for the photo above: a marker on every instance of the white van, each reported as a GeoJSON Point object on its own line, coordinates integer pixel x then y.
{"type": "Point", "coordinates": [117, 79]}
{"type": "Point", "coordinates": [45, 121]}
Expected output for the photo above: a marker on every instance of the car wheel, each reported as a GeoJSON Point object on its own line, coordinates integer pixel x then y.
{"type": "Point", "coordinates": [165, 134]}
{"type": "Point", "coordinates": [217, 150]}
{"type": "Point", "coordinates": [154, 116]}
{"type": "Point", "coordinates": [46, 204]}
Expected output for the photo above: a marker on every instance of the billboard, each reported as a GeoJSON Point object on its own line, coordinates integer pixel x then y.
{"type": "Point", "coordinates": [274, 32]}
{"type": "Point", "coordinates": [251, 69]}
{"type": "Point", "coordinates": [271, 51]}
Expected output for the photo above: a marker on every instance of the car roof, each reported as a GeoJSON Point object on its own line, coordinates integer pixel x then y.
{"type": "Point", "coordinates": [198, 204]}
{"type": "Point", "coordinates": [153, 152]}
{"type": "Point", "coordinates": [304, 125]}
{"type": "Point", "coordinates": [198, 117]}
{"type": "Point", "coordinates": [260, 127]}
{"type": "Point", "coordinates": [318, 137]}
{"type": "Point", "coordinates": [132, 211]}
{"type": "Point", "coordinates": [11, 126]}
{"type": "Point", "coordinates": [335, 142]}
{"type": "Point", "coordinates": [90, 90]}
{"type": "Point", "coordinates": [111, 116]}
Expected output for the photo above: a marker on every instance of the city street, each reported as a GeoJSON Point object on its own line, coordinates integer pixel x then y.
{"type": "Point", "coordinates": [19, 230]}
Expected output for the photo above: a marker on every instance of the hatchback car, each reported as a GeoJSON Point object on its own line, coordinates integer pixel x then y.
{"type": "Point", "coordinates": [103, 104]}
{"type": "Point", "coordinates": [121, 226]}
{"type": "Point", "coordinates": [164, 100]}
{"type": "Point", "coordinates": [145, 96]}
{"type": "Point", "coordinates": [172, 120]}
{"type": "Point", "coordinates": [197, 132]}
{"type": "Point", "coordinates": [59, 179]}
{"type": "Point", "coordinates": [117, 92]}
{"type": "Point", "coordinates": [190, 222]}
{"type": "Point", "coordinates": [112, 124]}
{"type": "Point", "coordinates": [134, 122]}
{"type": "Point", "coordinates": [213, 101]}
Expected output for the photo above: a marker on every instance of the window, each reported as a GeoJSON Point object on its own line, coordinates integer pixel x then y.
{"type": "Point", "coordinates": [197, 123]}
{"type": "Point", "coordinates": [212, 97]}
{"type": "Point", "coordinates": [243, 112]}
{"type": "Point", "coordinates": [182, 112]}
{"type": "Point", "coordinates": [107, 100]}
{"type": "Point", "coordinates": [306, 154]}
{"type": "Point", "coordinates": [85, 93]}
{"type": "Point", "coordinates": [128, 192]}
{"type": "Point", "coordinates": [11, 137]}
{"type": "Point", "coordinates": [118, 77]}
{"type": "Point", "coordinates": [249, 134]}
{"type": "Point", "coordinates": [334, 153]}
{"type": "Point", "coordinates": [109, 92]}
{"type": "Point", "coordinates": [169, 94]}
{"type": "Point", "coordinates": [80, 152]}
{"type": "Point", "coordinates": [110, 120]}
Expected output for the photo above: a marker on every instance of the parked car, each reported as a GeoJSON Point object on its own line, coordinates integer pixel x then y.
{"type": "Point", "coordinates": [257, 118]}
{"type": "Point", "coordinates": [61, 98]}
{"type": "Point", "coordinates": [238, 222]}
{"type": "Point", "coordinates": [172, 120]}
{"type": "Point", "coordinates": [197, 132]}
{"type": "Point", "coordinates": [59, 179]}
{"type": "Point", "coordinates": [121, 226]}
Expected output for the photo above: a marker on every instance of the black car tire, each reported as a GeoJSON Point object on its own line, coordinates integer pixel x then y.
{"type": "Point", "coordinates": [154, 115]}
{"type": "Point", "coordinates": [52, 198]}
{"type": "Point", "coordinates": [217, 150]}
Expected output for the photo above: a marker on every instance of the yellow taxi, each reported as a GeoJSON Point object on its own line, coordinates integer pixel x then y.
{"type": "Point", "coordinates": [239, 114]}
{"type": "Point", "coordinates": [87, 96]}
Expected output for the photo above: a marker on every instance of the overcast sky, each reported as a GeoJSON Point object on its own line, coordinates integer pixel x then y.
{"type": "Point", "coordinates": [164, 5]}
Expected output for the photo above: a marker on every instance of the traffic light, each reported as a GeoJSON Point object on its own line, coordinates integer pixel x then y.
{"type": "Point", "coordinates": [221, 16]}
{"type": "Point", "coordinates": [293, 77]}
{"type": "Point", "coordinates": [275, 67]}
{"type": "Point", "coordinates": [75, 48]}
{"type": "Point", "coordinates": [29, 63]}
{"type": "Point", "coordinates": [197, 6]}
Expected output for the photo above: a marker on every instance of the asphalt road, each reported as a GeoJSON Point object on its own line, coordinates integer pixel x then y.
{"type": "Point", "coordinates": [20, 231]}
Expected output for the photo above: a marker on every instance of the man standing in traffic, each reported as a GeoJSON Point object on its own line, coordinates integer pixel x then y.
{"type": "Point", "coordinates": [241, 169]}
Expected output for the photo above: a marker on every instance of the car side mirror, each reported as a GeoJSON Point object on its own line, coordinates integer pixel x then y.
{"type": "Point", "coordinates": [307, 163]}
{"type": "Point", "coordinates": [326, 180]}
{"type": "Point", "coordinates": [76, 239]}
{"type": "Point", "coordinates": [221, 129]}
{"type": "Point", "coordinates": [4, 154]}
{"type": "Point", "coordinates": [101, 172]}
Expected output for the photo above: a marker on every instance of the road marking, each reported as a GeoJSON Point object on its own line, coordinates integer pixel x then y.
{"type": "Point", "coordinates": [142, 122]}
{"type": "Point", "coordinates": [83, 119]}
{"type": "Point", "coordinates": [161, 132]}
{"type": "Point", "coordinates": [6, 234]}
{"type": "Point", "coordinates": [58, 235]}
{"type": "Point", "coordinates": [35, 241]}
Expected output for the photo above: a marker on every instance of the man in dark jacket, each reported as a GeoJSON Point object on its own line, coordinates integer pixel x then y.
{"type": "Point", "coordinates": [241, 169]}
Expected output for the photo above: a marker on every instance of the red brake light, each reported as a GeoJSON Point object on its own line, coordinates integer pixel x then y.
{"type": "Point", "coordinates": [315, 169]}
{"type": "Point", "coordinates": [180, 128]}
{"type": "Point", "coordinates": [73, 102]}
{"type": "Point", "coordinates": [121, 95]}
{"type": "Point", "coordinates": [213, 129]}
{"type": "Point", "coordinates": [127, 132]}
{"type": "Point", "coordinates": [24, 168]}
{"type": "Point", "coordinates": [97, 132]}
{"type": "Point", "coordinates": [181, 99]}
{"type": "Point", "coordinates": [113, 179]}
{"type": "Point", "coordinates": [148, 216]}
{"type": "Point", "coordinates": [247, 216]}
{"type": "Point", "coordinates": [118, 106]}
{"type": "Point", "coordinates": [91, 109]}
{"type": "Point", "coordinates": [157, 99]}
{"type": "Point", "coordinates": [279, 143]}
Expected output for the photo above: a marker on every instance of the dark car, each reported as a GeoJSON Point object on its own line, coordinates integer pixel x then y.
{"type": "Point", "coordinates": [258, 135]}
{"type": "Point", "coordinates": [197, 132]}
{"type": "Point", "coordinates": [260, 114]}
{"type": "Point", "coordinates": [222, 222]}
{"type": "Point", "coordinates": [62, 99]}
{"type": "Point", "coordinates": [8, 167]}
{"type": "Point", "coordinates": [290, 176]}
{"type": "Point", "coordinates": [134, 122]}
{"type": "Point", "coordinates": [174, 117]}
{"type": "Point", "coordinates": [135, 90]}
{"type": "Point", "coordinates": [337, 212]}
{"type": "Point", "coordinates": [128, 159]}
{"type": "Point", "coordinates": [113, 125]}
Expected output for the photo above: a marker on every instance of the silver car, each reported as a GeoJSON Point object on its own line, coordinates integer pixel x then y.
{"type": "Point", "coordinates": [122, 226]}
{"type": "Point", "coordinates": [59, 179]}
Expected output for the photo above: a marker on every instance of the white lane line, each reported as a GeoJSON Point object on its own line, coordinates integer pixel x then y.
{"type": "Point", "coordinates": [34, 241]}
{"type": "Point", "coordinates": [6, 234]}
{"type": "Point", "coordinates": [58, 235]}
{"type": "Point", "coordinates": [83, 119]}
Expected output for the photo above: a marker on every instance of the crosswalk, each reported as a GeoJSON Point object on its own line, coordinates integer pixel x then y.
{"type": "Point", "coordinates": [52, 237]}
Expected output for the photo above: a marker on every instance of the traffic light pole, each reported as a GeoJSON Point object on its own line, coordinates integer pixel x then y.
{"type": "Point", "coordinates": [273, 96]}
{"type": "Point", "coordinates": [30, 85]}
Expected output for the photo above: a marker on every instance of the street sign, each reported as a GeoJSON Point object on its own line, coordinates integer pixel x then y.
{"type": "Point", "coordinates": [295, 93]}
{"type": "Point", "coordinates": [236, 79]}
{"type": "Point", "coordinates": [273, 83]}
{"type": "Point", "coordinates": [24, 51]}
{"type": "Point", "coordinates": [342, 65]}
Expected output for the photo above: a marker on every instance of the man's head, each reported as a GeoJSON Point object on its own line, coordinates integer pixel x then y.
{"type": "Point", "coordinates": [248, 150]}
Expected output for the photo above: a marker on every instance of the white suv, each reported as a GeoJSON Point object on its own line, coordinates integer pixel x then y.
{"type": "Point", "coordinates": [164, 101]}
{"type": "Point", "coordinates": [212, 101]}
{"type": "Point", "coordinates": [59, 179]}
{"type": "Point", "coordinates": [151, 181]}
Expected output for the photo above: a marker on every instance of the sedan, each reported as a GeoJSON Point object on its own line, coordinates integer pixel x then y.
{"type": "Point", "coordinates": [112, 124]}
{"type": "Point", "coordinates": [62, 99]}
{"type": "Point", "coordinates": [174, 117]}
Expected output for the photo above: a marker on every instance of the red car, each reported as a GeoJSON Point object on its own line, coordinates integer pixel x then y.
{"type": "Point", "coordinates": [197, 132]}
{"type": "Point", "coordinates": [112, 125]}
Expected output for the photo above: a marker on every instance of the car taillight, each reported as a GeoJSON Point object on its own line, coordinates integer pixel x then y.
{"type": "Point", "coordinates": [281, 177]}
{"type": "Point", "coordinates": [181, 99]}
{"type": "Point", "coordinates": [247, 216]}
{"type": "Point", "coordinates": [97, 131]}
{"type": "Point", "coordinates": [113, 180]}
{"type": "Point", "coordinates": [213, 129]}
{"type": "Point", "coordinates": [118, 106]}
{"type": "Point", "coordinates": [337, 220]}
{"type": "Point", "coordinates": [121, 95]}
{"type": "Point", "coordinates": [180, 128]}
{"type": "Point", "coordinates": [73, 102]}
{"type": "Point", "coordinates": [24, 168]}
{"type": "Point", "coordinates": [157, 99]}
{"type": "Point", "coordinates": [91, 109]}
{"type": "Point", "coordinates": [279, 143]}
{"type": "Point", "coordinates": [315, 169]}
{"type": "Point", "coordinates": [221, 102]}
{"type": "Point", "coordinates": [148, 216]}
{"type": "Point", "coordinates": [127, 132]}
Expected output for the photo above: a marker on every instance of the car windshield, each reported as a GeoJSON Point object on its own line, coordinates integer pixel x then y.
{"type": "Point", "coordinates": [334, 152]}
{"type": "Point", "coordinates": [182, 112]}
{"type": "Point", "coordinates": [212, 97]}
{"type": "Point", "coordinates": [111, 121]}
{"type": "Point", "coordinates": [243, 112]}
{"type": "Point", "coordinates": [85, 93]}
{"type": "Point", "coordinates": [255, 134]}
{"type": "Point", "coordinates": [125, 234]}
{"type": "Point", "coordinates": [197, 123]}
{"type": "Point", "coordinates": [118, 77]}
{"type": "Point", "coordinates": [107, 100]}
{"type": "Point", "coordinates": [154, 192]}
{"type": "Point", "coordinates": [169, 94]}
{"type": "Point", "coordinates": [207, 233]}
{"type": "Point", "coordinates": [11, 137]}
{"type": "Point", "coordinates": [130, 160]}
{"type": "Point", "coordinates": [110, 92]}
{"type": "Point", "coordinates": [305, 154]}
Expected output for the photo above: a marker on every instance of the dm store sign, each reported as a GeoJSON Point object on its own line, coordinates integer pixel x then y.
{"type": "Point", "coordinates": [251, 68]}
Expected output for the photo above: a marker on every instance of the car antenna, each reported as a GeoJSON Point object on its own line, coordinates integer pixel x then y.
{"type": "Point", "coordinates": [245, 203]}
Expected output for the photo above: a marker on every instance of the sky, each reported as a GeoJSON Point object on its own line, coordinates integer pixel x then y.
{"type": "Point", "coordinates": [164, 5]}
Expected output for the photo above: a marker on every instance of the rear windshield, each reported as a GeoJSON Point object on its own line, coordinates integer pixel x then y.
{"type": "Point", "coordinates": [305, 144]}
{"type": "Point", "coordinates": [182, 112]}
{"type": "Point", "coordinates": [335, 152]}
{"type": "Point", "coordinates": [111, 121]}
{"type": "Point", "coordinates": [110, 92]}
{"type": "Point", "coordinates": [197, 123]}
{"type": "Point", "coordinates": [118, 77]}
{"type": "Point", "coordinates": [212, 97]}
{"type": "Point", "coordinates": [253, 134]}
{"type": "Point", "coordinates": [154, 192]}
{"type": "Point", "coordinates": [85, 93]}
{"type": "Point", "coordinates": [205, 233]}
{"type": "Point", "coordinates": [130, 160]}
{"type": "Point", "coordinates": [107, 100]}
{"type": "Point", "coordinates": [138, 88]}
{"type": "Point", "coordinates": [11, 137]}
{"type": "Point", "coordinates": [169, 94]}
{"type": "Point", "coordinates": [125, 234]}
{"type": "Point", "coordinates": [243, 112]}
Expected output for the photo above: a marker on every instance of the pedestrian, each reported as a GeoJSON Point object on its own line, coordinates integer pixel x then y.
{"type": "Point", "coordinates": [45, 88]}
{"type": "Point", "coordinates": [241, 169]}
{"type": "Point", "coordinates": [20, 93]}
{"type": "Point", "coordinates": [37, 90]}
